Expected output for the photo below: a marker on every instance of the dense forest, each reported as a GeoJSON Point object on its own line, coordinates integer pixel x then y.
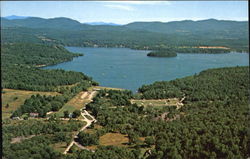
{"type": "Point", "coordinates": [45, 133]}
{"type": "Point", "coordinates": [35, 54]}
{"type": "Point", "coordinates": [19, 69]}
{"type": "Point", "coordinates": [29, 78]}
{"type": "Point", "coordinates": [212, 123]}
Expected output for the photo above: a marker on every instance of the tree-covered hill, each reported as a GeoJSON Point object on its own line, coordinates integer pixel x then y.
{"type": "Point", "coordinates": [140, 35]}
{"type": "Point", "coordinates": [188, 27]}
{"type": "Point", "coordinates": [19, 67]}
{"type": "Point", "coordinates": [35, 22]}
{"type": "Point", "coordinates": [34, 54]}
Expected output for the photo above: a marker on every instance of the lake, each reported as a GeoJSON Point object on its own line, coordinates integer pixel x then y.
{"type": "Point", "coordinates": [130, 69]}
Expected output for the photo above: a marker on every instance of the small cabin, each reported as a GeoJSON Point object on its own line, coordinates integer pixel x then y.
{"type": "Point", "coordinates": [70, 115]}
{"type": "Point", "coordinates": [16, 118]}
{"type": "Point", "coordinates": [34, 115]}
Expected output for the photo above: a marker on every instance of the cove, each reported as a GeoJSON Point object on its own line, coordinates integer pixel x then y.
{"type": "Point", "coordinates": [130, 69]}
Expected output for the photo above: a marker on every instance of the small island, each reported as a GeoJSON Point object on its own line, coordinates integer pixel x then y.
{"type": "Point", "coordinates": [162, 53]}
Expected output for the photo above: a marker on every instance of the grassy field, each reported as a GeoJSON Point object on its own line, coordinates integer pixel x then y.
{"type": "Point", "coordinates": [15, 98]}
{"type": "Point", "coordinates": [161, 102]}
{"type": "Point", "coordinates": [93, 130]}
{"type": "Point", "coordinates": [76, 103]}
{"type": "Point", "coordinates": [68, 108]}
{"type": "Point", "coordinates": [114, 139]}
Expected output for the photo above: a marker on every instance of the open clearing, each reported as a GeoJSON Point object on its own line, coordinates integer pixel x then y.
{"type": "Point", "coordinates": [157, 102]}
{"type": "Point", "coordinates": [60, 113]}
{"type": "Point", "coordinates": [114, 139]}
{"type": "Point", "coordinates": [15, 98]}
{"type": "Point", "coordinates": [76, 103]}
{"type": "Point", "coordinates": [93, 130]}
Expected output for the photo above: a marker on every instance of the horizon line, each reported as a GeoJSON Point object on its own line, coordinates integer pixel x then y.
{"type": "Point", "coordinates": [195, 20]}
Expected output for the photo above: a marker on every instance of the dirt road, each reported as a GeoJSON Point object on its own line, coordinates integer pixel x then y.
{"type": "Point", "coordinates": [89, 122]}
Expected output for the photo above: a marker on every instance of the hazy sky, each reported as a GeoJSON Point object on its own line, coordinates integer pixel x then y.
{"type": "Point", "coordinates": [128, 11]}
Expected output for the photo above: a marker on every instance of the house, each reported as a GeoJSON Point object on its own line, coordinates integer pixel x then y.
{"type": "Point", "coordinates": [34, 115]}
{"type": "Point", "coordinates": [70, 115]}
{"type": "Point", "coordinates": [16, 118]}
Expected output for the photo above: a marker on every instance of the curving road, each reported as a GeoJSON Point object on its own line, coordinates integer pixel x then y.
{"type": "Point", "coordinates": [89, 122]}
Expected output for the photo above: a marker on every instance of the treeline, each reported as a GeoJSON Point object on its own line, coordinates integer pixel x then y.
{"type": "Point", "coordinates": [202, 50]}
{"type": "Point", "coordinates": [165, 51]}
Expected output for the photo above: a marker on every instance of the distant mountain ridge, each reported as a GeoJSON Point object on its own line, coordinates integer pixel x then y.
{"type": "Point", "coordinates": [11, 17]}
{"type": "Point", "coordinates": [102, 23]}
{"type": "Point", "coordinates": [209, 27]}
{"type": "Point", "coordinates": [35, 22]}
{"type": "Point", "coordinates": [207, 23]}
{"type": "Point", "coordinates": [134, 35]}
{"type": "Point", "coordinates": [187, 26]}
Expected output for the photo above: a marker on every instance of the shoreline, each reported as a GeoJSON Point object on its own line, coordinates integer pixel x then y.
{"type": "Point", "coordinates": [146, 48]}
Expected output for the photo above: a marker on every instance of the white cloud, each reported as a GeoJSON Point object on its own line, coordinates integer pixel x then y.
{"type": "Point", "coordinates": [117, 6]}
{"type": "Point", "coordinates": [140, 2]}
{"type": "Point", "coordinates": [127, 5]}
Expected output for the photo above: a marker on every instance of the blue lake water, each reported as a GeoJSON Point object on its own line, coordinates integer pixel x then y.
{"type": "Point", "coordinates": [130, 69]}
